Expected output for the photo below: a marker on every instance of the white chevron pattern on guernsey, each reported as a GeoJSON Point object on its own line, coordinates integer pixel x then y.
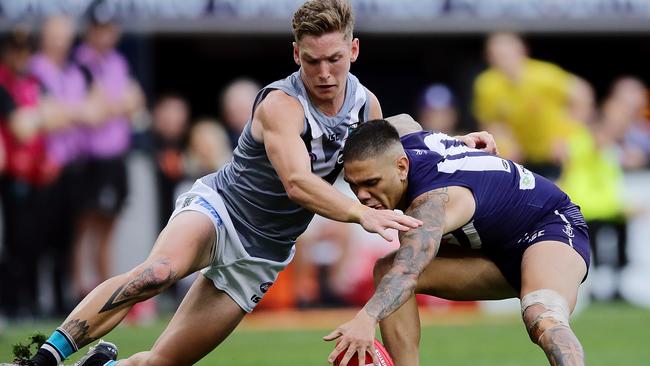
{"type": "Point", "coordinates": [327, 153]}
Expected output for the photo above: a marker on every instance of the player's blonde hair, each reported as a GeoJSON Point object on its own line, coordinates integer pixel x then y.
{"type": "Point", "coordinates": [318, 17]}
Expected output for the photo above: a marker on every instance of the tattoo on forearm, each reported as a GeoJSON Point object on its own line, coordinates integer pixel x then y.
{"type": "Point", "coordinates": [418, 247]}
{"type": "Point", "coordinates": [562, 347]}
{"type": "Point", "coordinates": [78, 330]}
{"type": "Point", "coordinates": [136, 289]}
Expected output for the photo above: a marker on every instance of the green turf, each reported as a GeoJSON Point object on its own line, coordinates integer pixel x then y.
{"type": "Point", "coordinates": [614, 334]}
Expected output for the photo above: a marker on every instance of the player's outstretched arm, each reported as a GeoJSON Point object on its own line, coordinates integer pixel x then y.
{"type": "Point", "coordinates": [279, 123]}
{"type": "Point", "coordinates": [418, 248]}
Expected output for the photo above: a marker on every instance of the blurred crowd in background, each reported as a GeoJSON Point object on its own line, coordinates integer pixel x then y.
{"type": "Point", "coordinates": [72, 114]}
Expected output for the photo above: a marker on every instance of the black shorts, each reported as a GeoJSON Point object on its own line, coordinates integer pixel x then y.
{"type": "Point", "coordinates": [565, 225]}
{"type": "Point", "coordinates": [106, 186]}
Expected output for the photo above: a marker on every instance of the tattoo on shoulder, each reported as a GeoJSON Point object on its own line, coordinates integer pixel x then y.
{"type": "Point", "coordinates": [417, 249]}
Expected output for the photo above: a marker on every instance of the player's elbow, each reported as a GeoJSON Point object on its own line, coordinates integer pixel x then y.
{"type": "Point", "coordinates": [408, 277]}
{"type": "Point", "coordinates": [294, 185]}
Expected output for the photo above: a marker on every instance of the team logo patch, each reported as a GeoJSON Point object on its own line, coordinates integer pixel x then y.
{"type": "Point", "coordinates": [265, 286]}
{"type": "Point", "coordinates": [188, 200]}
{"type": "Point", "coordinates": [568, 230]}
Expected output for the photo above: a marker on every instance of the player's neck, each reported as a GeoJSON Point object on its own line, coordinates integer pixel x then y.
{"type": "Point", "coordinates": [402, 205]}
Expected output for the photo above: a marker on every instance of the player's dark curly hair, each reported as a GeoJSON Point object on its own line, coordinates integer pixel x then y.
{"type": "Point", "coordinates": [369, 140]}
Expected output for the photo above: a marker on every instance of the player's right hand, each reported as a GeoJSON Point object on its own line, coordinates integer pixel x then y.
{"type": "Point", "coordinates": [379, 221]}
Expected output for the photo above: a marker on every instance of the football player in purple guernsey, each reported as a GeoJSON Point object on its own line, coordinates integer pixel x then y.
{"type": "Point", "coordinates": [492, 230]}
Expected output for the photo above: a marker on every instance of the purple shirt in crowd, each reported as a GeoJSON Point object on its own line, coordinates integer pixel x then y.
{"type": "Point", "coordinates": [111, 73]}
{"type": "Point", "coordinates": [67, 85]}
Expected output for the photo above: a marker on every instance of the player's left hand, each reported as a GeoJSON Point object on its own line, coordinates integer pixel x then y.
{"type": "Point", "coordinates": [356, 336]}
{"type": "Point", "coordinates": [480, 140]}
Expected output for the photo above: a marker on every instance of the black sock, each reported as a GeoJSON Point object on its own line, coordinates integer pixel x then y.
{"type": "Point", "coordinates": [44, 358]}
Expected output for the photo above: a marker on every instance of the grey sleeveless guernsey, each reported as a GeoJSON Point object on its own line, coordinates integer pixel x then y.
{"type": "Point", "coordinates": [267, 221]}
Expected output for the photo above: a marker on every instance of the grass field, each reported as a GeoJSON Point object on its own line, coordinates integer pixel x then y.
{"type": "Point", "coordinates": [612, 334]}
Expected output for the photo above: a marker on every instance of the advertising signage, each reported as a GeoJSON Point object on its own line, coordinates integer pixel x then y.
{"type": "Point", "coordinates": [391, 16]}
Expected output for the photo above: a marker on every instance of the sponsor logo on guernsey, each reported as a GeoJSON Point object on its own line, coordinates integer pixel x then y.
{"type": "Point", "coordinates": [526, 178]}
{"type": "Point", "coordinates": [334, 136]}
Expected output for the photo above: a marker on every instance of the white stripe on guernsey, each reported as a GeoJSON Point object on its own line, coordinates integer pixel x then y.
{"type": "Point", "coordinates": [435, 143]}
{"type": "Point", "coordinates": [472, 235]}
{"type": "Point", "coordinates": [474, 164]}
{"type": "Point", "coordinates": [568, 224]}
{"type": "Point", "coordinates": [315, 128]}
{"type": "Point", "coordinates": [359, 101]}
{"type": "Point", "coordinates": [53, 352]}
{"type": "Point", "coordinates": [321, 166]}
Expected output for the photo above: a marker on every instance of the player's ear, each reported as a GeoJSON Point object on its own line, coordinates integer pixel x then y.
{"type": "Point", "coordinates": [403, 167]}
{"type": "Point", "coordinates": [296, 53]}
{"type": "Point", "coordinates": [354, 54]}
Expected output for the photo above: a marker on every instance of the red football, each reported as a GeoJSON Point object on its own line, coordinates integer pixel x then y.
{"type": "Point", "coordinates": [380, 351]}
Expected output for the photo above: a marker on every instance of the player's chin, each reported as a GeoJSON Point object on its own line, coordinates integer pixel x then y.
{"type": "Point", "coordinates": [326, 92]}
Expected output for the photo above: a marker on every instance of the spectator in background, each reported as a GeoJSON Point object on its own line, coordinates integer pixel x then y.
{"type": "Point", "coordinates": [624, 115]}
{"type": "Point", "coordinates": [108, 141]}
{"type": "Point", "coordinates": [437, 111]}
{"type": "Point", "coordinates": [237, 101]}
{"type": "Point", "coordinates": [530, 106]}
{"type": "Point", "coordinates": [27, 169]}
{"type": "Point", "coordinates": [64, 87]}
{"type": "Point", "coordinates": [170, 121]}
{"type": "Point", "coordinates": [594, 168]}
{"type": "Point", "coordinates": [208, 148]}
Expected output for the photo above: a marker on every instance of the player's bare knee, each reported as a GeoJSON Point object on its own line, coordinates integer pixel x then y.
{"type": "Point", "coordinates": [543, 310]}
{"type": "Point", "coordinates": [152, 277]}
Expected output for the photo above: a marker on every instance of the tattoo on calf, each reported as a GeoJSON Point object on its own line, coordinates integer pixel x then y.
{"type": "Point", "coordinates": [136, 289]}
{"type": "Point", "coordinates": [418, 247]}
{"type": "Point", "coordinates": [562, 347]}
{"type": "Point", "coordinates": [78, 330]}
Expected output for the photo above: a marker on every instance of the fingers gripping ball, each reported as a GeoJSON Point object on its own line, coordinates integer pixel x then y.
{"type": "Point", "coordinates": [380, 352]}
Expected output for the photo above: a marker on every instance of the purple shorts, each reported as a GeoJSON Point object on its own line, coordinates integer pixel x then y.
{"type": "Point", "coordinates": [566, 225]}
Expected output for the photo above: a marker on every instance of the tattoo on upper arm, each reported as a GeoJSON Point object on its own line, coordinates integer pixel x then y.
{"type": "Point", "coordinates": [418, 247]}
{"type": "Point", "coordinates": [137, 289]}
